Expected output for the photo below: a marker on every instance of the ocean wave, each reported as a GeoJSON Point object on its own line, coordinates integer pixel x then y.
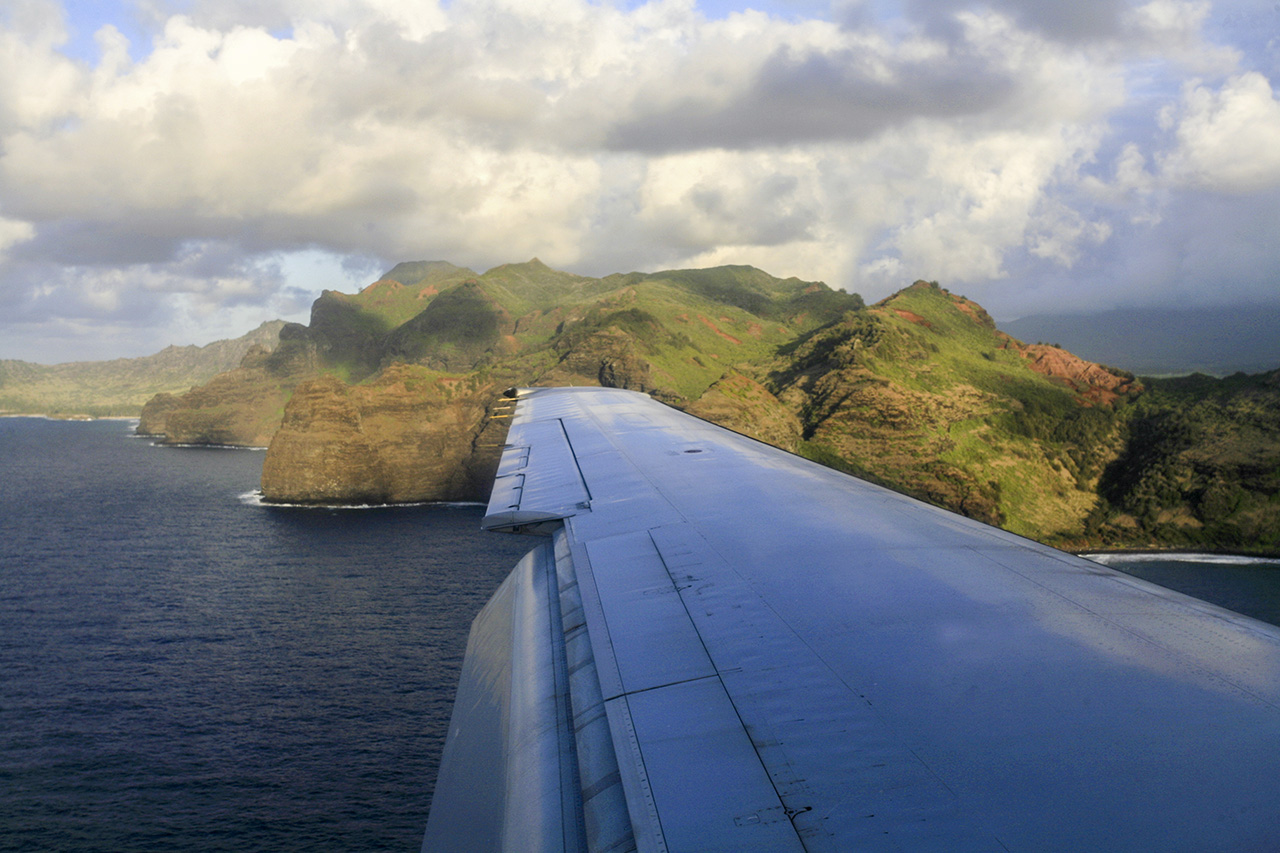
{"type": "Point", "coordinates": [202, 446]}
{"type": "Point", "coordinates": [72, 419]}
{"type": "Point", "coordinates": [1179, 557]}
{"type": "Point", "coordinates": [255, 498]}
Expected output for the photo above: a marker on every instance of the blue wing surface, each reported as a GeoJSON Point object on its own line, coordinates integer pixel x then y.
{"type": "Point", "coordinates": [719, 646]}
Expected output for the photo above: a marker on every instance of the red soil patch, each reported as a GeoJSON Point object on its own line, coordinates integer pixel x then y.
{"type": "Point", "coordinates": [713, 327]}
{"type": "Point", "coordinates": [913, 317]}
{"type": "Point", "coordinates": [428, 291]}
{"type": "Point", "coordinates": [967, 308]}
{"type": "Point", "coordinates": [1091, 381]}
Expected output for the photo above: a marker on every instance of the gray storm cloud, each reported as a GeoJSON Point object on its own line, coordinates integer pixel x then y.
{"type": "Point", "coordinates": [190, 182]}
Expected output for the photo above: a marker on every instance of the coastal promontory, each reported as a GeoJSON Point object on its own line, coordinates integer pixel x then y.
{"type": "Point", "coordinates": [410, 435]}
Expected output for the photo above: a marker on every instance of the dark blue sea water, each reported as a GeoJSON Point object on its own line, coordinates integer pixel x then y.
{"type": "Point", "coordinates": [1248, 585]}
{"type": "Point", "coordinates": [183, 670]}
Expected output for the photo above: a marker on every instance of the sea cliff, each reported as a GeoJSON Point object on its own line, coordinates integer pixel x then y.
{"type": "Point", "coordinates": [410, 435]}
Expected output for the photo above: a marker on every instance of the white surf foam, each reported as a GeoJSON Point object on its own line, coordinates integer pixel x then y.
{"type": "Point", "coordinates": [255, 498]}
{"type": "Point", "coordinates": [1213, 559]}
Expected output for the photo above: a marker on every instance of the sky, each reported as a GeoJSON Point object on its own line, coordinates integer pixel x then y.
{"type": "Point", "coordinates": [179, 171]}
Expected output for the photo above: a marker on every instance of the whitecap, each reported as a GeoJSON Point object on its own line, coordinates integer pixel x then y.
{"type": "Point", "coordinates": [1181, 557]}
{"type": "Point", "coordinates": [206, 446]}
{"type": "Point", "coordinates": [256, 498]}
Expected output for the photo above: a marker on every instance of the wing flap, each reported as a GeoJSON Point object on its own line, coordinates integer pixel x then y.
{"type": "Point", "coordinates": [538, 479]}
{"type": "Point", "coordinates": [694, 778]}
{"type": "Point", "coordinates": [653, 641]}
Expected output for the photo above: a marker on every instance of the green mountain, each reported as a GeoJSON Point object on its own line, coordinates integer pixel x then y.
{"type": "Point", "coordinates": [120, 387]}
{"type": "Point", "coordinates": [923, 393]}
{"type": "Point", "coordinates": [452, 319]}
{"type": "Point", "coordinates": [394, 394]}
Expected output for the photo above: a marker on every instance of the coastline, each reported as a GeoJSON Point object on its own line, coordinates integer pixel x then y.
{"type": "Point", "coordinates": [255, 498]}
{"type": "Point", "coordinates": [73, 417]}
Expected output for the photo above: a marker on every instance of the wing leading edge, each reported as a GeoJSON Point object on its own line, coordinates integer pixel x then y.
{"type": "Point", "coordinates": [721, 646]}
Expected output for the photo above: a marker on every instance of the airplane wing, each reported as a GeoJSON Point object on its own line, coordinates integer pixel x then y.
{"type": "Point", "coordinates": [719, 646]}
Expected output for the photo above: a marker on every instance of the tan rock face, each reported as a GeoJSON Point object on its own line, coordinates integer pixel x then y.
{"type": "Point", "coordinates": [412, 435]}
{"type": "Point", "coordinates": [155, 414]}
{"type": "Point", "coordinates": [608, 357]}
{"type": "Point", "coordinates": [240, 407]}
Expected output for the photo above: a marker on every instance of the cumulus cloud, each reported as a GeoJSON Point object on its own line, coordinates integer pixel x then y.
{"type": "Point", "coordinates": [845, 95]}
{"type": "Point", "coordinates": [987, 144]}
{"type": "Point", "coordinates": [1077, 21]}
{"type": "Point", "coordinates": [1229, 137]}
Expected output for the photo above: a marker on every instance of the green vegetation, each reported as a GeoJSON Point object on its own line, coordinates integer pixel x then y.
{"type": "Point", "coordinates": [1201, 467]}
{"type": "Point", "coordinates": [673, 333]}
{"type": "Point", "coordinates": [920, 392]}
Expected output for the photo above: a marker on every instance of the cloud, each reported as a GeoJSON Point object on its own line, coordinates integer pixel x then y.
{"type": "Point", "coordinates": [1072, 22]}
{"type": "Point", "coordinates": [13, 232]}
{"type": "Point", "coordinates": [817, 96]}
{"type": "Point", "coordinates": [1228, 138]}
{"type": "Point", "coordinates": [987, 145]}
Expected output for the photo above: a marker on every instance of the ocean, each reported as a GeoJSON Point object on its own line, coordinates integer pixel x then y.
{"type": "Point", "coordinates": [183, 668]}
{"type": "Point", "coordinates": [1248, 585]}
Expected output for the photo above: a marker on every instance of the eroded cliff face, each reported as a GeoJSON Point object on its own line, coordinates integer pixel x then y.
{"type": "Point", "coordinates": [237, 408]}
{"type": "Point", "coordinates": [410, 435]}
{"type": "Point", "coordinates": [241, 407]}
{"type": "Point", "coordinates": [609, 357]}
{"type": "Point", "coordinates": [155, 414]}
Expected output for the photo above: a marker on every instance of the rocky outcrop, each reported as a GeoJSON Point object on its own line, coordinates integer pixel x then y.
{"type": "Point", "coordinates": [241, 407]}
{"type": "Point", "coordinates": [609, 357]}
{"type": "Point", "coordinates": [410, 435]}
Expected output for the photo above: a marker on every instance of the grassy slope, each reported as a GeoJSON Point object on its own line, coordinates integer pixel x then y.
{"type": "Point", "coordinates": [924, 394]}
{"type": "Point", "coordinates": [691, 326]}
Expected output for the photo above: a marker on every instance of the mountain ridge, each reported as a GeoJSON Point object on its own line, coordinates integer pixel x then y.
{"type": "Point", "coordinates": [119, 387]}
{"type": "Point", "coordinates": [389, 394]}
